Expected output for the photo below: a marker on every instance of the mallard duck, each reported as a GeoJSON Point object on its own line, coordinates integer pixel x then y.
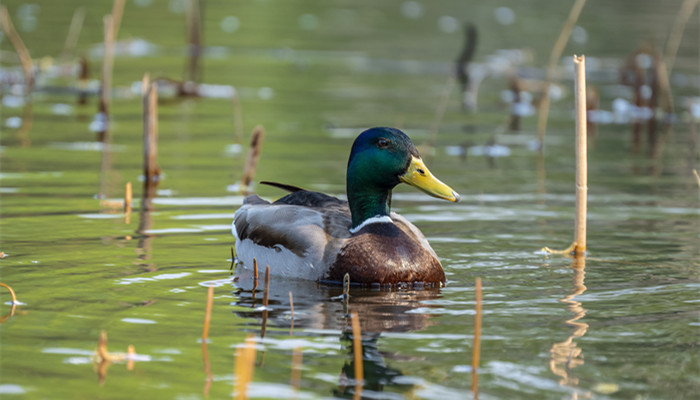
{"type": "Point", "coordinates": [311, 235]}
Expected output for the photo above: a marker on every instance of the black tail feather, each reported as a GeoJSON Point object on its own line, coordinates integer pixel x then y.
{"type": "Point", "coordinates": [289, 188]}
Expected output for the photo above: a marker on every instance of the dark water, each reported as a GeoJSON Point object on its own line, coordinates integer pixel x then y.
{"type": "Point", "coordinates": [624, 325]}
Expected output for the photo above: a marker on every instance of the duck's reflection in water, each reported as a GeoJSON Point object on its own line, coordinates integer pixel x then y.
{"type": "Point", "coordinates": [323, 308]}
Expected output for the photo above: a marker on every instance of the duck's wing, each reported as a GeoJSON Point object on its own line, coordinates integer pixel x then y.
{"type": "Point", "coordinates": [299, 235]}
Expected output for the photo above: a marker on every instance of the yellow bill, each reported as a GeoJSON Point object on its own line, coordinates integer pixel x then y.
{"type": "Point", "coordinates": [419, 176]}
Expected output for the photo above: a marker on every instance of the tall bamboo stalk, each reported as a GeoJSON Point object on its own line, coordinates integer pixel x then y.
{"type": "Point", "coordinates": [20, 48]}
{"type": "Point", "coordinates": [554, 56]}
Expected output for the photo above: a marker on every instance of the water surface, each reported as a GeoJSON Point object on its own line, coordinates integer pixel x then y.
{"type": "Point", "coordinates": [315, 74]}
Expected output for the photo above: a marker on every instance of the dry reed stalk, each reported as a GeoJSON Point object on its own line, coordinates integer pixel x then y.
{"type": "Point", "coordinates": [440, 112]}
{"type": "Point", "coordinates": [107, 67]}
{"type": "Point", "coordinates": [543, 112]}
{"type": "Point", "coordinates": [346, 293]}
{"type": "Point", "coordinates": [83, 80]}
{"type": "Point", "coordinates": [117, 12]}
{"type": "Point", "coordinates": [255, 275]}
{"type": "Point", "coordinates": [578, 247]}
{"type": "Point", "coordinates": [357, 354]}
{"type": "Point", "coordinates": [462, 68]}
{"type": "Point", "coordinates": [243, 369]}
{"type": "Point", "coordinates": [581, 156]}
{"type": "Point", "coordinates": [194, 22]}
{"type": "Point", "coordinates": [128, 196]}
{"type": "Point", "coordinates": [20, 48]}
{"type": "Point", "coordinates": [266, 299]}
{"type": "Point", "coordinates": [252, 159]}
{"type": "Point", "coordinates": [12, 292]}
{"type": "Point", "coordinates": [76, 25]}
{"type": "Point", "coordinates": [515, 87]}
{"type": "Point", "coordinates": [295, 376]}
{"type": "Point", "coordinates": [697, 177]}
{"type": "Point", "coordinates": [674, 39]}
{"type": "Point", "coordinates": [237, 117]}
{"type": "Point", "coordinates": [233, 259]}
{"type": "Point", "coordinates": [151, 171]}
{"type": "Point", "coordinates": [102, 346]}
{"type": "Point", "coordinates": [207, 313]}
{"type": "Point", "coordinates": [267, 286]}
{"type": "Point", "coordinates": [476, 347]}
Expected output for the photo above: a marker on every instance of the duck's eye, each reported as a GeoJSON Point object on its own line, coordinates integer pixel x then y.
{"type": "Point", "coordinates": [383, 143]}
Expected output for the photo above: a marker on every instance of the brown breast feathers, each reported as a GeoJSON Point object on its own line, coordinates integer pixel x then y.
{"type": "Point", "coordinates": [384, 253]}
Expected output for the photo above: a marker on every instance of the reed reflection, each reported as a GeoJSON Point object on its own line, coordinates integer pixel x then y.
{"type": "Point", "coordinates": [566, 355]}
{"type": "Point", "coordinates": [318, 307]}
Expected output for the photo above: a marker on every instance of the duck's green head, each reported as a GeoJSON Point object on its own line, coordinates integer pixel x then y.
{"type": "Point", "coordinates": [380, 159]}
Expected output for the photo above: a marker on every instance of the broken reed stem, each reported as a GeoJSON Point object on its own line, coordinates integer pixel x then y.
{"type": "Point", "coordinates": [128, 196]}
{"type": "Point", "coordinates": [440, 111]}
{"type": "Point", "coordinates": [346, 285]}
{"type": "Point", "coordinates": [252, 159]}
{"type": "Point", "coordinates": [357, 354]}
{"type": "Point", "coordinates": [20, 48]}
{"type": "Point", "coordinates": [295, 376]}
{"type": "Point", "coordinates": [244, 367]}
{"type": "Point", "coordinates": [476, 347]}
{"type": "Point", "coordinates": [255, 275]}
{"type": "Point", "coordinates": [578, 247]}
{"type": "Point", "coordinates": [267, 286]}
{"type": "Point", "coordinates": [207, 313]}
{"type": "Point", "coordinates": [76, 25]}
{"type": "Point", "coordinates": [102, 346]}
{"type": "Point", "coordinates": [195, 50]}
{"type": "Point", "coordinates": [674, 38]}
{"type": "Point", "coordinates": [543, 112]}
{"type": "Point", "coordinates": [117, 12]}
{"type": "Point", "coordinates": [12, 292]}
{"type": "Point", "coordinates": [237, 116]}
{"type": "Point", "coordinates": [107, 64]}
{"type": "Point", "coordinates": [581, 156]}
{"type": "Point", "coordinates": [151, 172]}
